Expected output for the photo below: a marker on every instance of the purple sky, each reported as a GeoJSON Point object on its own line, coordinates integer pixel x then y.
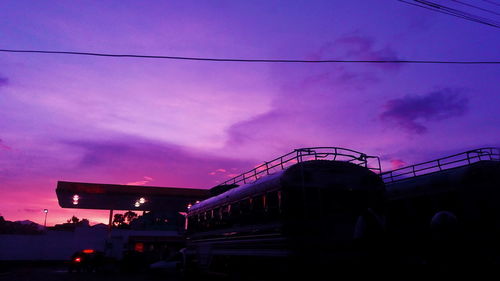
{"type": "Point", "coordinates": [193, 124]}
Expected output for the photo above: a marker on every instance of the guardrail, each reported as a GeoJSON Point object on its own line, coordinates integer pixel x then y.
{"type": "Point", "coordinates": [306, 154]}
{"type": "Point", "coordinates": [445, 163]}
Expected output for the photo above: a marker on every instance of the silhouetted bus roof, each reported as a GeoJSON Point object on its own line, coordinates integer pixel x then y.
{"type": "Point", "coordinates": [125, 197]}
{"type": "Point", "coordinates": [449, 162]}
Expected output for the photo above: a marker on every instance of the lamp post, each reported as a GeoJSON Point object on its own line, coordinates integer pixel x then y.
{"type": "Point", "coordinates": [46, 211]}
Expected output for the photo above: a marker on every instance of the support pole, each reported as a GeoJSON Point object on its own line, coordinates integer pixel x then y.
{"type": "Point", "coordinates": [110, 223]}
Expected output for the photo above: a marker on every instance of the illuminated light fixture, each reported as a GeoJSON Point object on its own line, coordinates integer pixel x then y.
{"type": "Point", "coordinates": [88, 251]}
{"type": "Point", "coordinates": [78, 259]}
{"type": "Point", "coordinates": [189, 206]}
{"type": "Point", "coordinates": [142, 200]}
{"type": "Point", "coordinates": [137, 204]}
{"type": "Point", "coordinates": [197, 201]}
{"type": "Point", "coordinates": [45, 210]}
{"type": "Point", "coordinates": [75, 199]}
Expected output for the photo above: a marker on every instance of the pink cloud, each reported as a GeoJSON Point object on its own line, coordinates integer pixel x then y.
{"type": "Point", "coordinates": [218, 171]}
{"type": "Point", "coordinates": [143, 182]}
{"type": "Point", "coordinates": [397, 163]}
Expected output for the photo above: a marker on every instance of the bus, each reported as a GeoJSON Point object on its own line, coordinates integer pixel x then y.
{"type": "Point", "coordinates": [301, 213]}
{"type": "Point", "coordinates": [446, 212]}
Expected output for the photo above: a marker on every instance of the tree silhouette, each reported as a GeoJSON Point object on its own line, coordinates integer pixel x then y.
{"type": "Point", "coordinates": [118, 220]}
{"type": "Point", "coordinates": [73, 219]}
{"type": "Point", "coordinates": [129, 216]}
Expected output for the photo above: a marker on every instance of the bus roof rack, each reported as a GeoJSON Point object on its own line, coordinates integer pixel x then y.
{"type": "Point", "coordinates": [305, 154]}
{"type": "Point", "coordinates": [445, 163]}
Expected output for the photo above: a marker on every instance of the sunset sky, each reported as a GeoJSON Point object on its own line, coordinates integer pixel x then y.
{"type": "Point", "coordinates": [193, 124]}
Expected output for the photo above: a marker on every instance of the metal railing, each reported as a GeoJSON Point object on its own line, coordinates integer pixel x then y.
{"type": "Point", "coordinates": [445, 163]}
{"type": "Point", "coordinates": [306, 154]}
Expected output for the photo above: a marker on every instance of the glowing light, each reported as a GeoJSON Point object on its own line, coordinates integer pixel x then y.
{"type": "Point", "coordinates": [75, 199]}
{"type": "Point", "coordinates": [189, 206]}
{"type": "Point", "coordinates": [139, 247]}
{"type": "Point", "coordinates": [88, 251]}
{"type": "Point", "coordinates": [137, 204]}
{"type": "Point", "coordinates": [197, 201]}
{"type": "Point", "coordinates": [45, 210]}
{"type": "Point", "coordinates": [142, 200]}
{"type": "Point", "coordinates": [78, 259]}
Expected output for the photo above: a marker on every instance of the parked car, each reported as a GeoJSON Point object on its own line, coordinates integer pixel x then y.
{"type": "Point", "coordinates": [87, 260]}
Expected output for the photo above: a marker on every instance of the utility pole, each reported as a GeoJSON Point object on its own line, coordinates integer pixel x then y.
{"type": "Point", "coordinates": [46, 211]}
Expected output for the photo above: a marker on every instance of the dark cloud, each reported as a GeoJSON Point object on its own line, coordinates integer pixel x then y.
{"type": "Point", "coordinates": [410, 112]}
{"type": "Point", "coordinates": [171, 165]}
{"type": "Point", "coordinates": [310, 97]}
{"type": "Point", "coordinates": [357, 47]}
{"type": "Point", "coordinates": [259, 127]}
{"type": "Point", "coordinates": [364, 47]}
{"type": "Point", "coordinates": [100, 153]}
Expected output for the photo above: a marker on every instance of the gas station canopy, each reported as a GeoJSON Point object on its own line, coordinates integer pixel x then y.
{"type": "Point", "coordinates": [81, 195]}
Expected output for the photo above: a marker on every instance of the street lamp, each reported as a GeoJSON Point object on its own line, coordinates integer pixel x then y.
{"type": "Point", "coordinates": [46, 211]}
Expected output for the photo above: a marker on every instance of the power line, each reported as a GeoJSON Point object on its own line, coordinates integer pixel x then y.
{"type": "Point", "coordinates": [453, 12]}
{"type": "Point", "coordinates": [491, 2]}
{"type": "Point", "coordinates": [476, 7]}
{"type": "Point", "coordinates": [460, 13]}
{"type": "Point", "coordinates": [246, 60]}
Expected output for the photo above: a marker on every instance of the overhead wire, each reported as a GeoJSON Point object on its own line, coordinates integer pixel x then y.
{"type": "Point", "coordinates": [450, 11]}
{"type": "Point", "coordinates": [492, 2]}
{"type": "Point", "coordinates": [476, 7]}
{"type": "Point", "coordinates": [388, 61]}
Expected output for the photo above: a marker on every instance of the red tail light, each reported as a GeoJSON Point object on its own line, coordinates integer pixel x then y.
{"type": "Point", "coordinates": [78, 259]}
{"type": "Point", "coordinates": [88, 251]}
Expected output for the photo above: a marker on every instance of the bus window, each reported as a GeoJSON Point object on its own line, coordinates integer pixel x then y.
{"type": "Point", "coordinates": [258, 203]}
{"type": "Point", "coordinates": [258, 208]}
{"type": "Point", "coordinates": [193, 223]}
{"type": "Point", "coordinates": [280, 200]}
{"type": "Point", "coordinates": [206, 221]}
{"type": "Point", "coordinates": [226, 215]}
{"type": "Point", "coordinates": [189, 223]}
{"type": "Point", "coordinates": [216, 219]}
{"type": "Point", "coordinates": [201, 221]}
{"type": "Point", "coordinates": [273, 203]}
{"type": "Point", "coordinates": [225, 212]}
{"type": "Point", "coordinates": [218, 212]}
{"type": "Point", "coordinates": [245, 209]}
{"type": "Point", "coordinates": [234, 215]}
